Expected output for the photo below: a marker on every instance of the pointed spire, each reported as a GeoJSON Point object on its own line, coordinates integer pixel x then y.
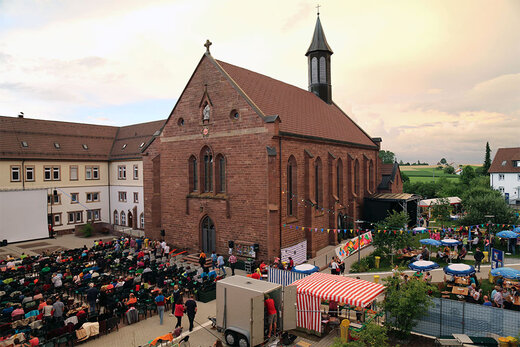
{"type": "Point", "coordinates": [319, 42]}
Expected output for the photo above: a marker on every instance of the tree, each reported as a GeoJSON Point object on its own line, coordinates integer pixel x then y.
{"type": "Point", "coordinates": [405, 177]}
{"type": "Point", "coordinates": [389, 241]}
{"type": "Point", "coordinates": [468, 173]}
{"type": "Point", "coordinates": [449, 170]}
{"type": "Point", "coordinates": [443, 161]}
{"type": "Point", "coordinates": [487, 159]}
{"type": "Point", "coordinates": [479, 201]}
{"type": "Point", "coordinates": [441, 210]}
{"type": "Point", "coordinates": [405, 302]}
{"type": "Point", "coordinates": [373, 335]}
{"type": "Point", "coordinates": [387, 157]}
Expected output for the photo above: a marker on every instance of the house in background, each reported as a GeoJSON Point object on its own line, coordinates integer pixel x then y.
{"type": "Point", "coordinates": [92, 173]}
{"type": "Point", "coordinates": [392, 181]}
{"type": "Point", "coordinates": [504, 174]}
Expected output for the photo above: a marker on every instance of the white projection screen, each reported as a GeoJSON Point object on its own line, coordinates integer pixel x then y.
{"type": "Point", "coordinates": [23, 215]}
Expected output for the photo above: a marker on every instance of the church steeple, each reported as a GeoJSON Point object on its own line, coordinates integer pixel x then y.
{"type": "Point", "coordinates": [318, 55]}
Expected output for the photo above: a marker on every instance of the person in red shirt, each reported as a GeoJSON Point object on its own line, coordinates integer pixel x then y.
{"type": "Point", "coordinates": [263, 267]}
{"type": "Point", "coordinates": [256, 275]}
{"type": "Point", "coordinates": [271, 314]}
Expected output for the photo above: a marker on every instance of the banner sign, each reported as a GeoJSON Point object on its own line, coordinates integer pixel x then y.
{"type": "Point", "coordinates": [497, 258]}
{"type": "Point", "coordinates": [353, 245]}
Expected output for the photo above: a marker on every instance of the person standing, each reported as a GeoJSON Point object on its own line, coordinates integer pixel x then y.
{"type": "Point", "coordinates": [334, 267]}
{"type": "Point", "coordinates": [478, 258]}
{"type": "Point", "coordinates": [220, 264]}
{"type": "Point", "coordinates": [202, 261]}
{"type": "Point", "coordinates": [232, 263]}
{"type": "Point", "coordinates": [271, 314]}
{"type": "Point", "coordinates": [213, 260]}
{"type": "Point", "coordinates": [92, 294]}
{"type": "Point", "coordinates": [159, 301]}
{"type": "Point", "coordinates": [191, 310]}
{"type": "Point", "coordinates": [179, 312]}
{"type": "Point", "coordinates": [58, 308]}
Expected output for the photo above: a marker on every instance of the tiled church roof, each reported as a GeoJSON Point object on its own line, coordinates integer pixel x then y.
{"type": "Point", "coordinates": [301, 112]}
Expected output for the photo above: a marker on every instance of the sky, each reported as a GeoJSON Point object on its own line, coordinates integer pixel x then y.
{"type": "Point", "coordinates": [434, 79]}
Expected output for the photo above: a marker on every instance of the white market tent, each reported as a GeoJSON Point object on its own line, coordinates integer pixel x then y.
{"type": "Point", "coordinates": [454, 200]}
{"type": "Point", "coordinates": [311, 290]}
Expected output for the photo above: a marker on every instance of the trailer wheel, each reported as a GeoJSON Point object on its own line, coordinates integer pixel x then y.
{"type": "Point", "coordinates": [231, 338]}
{"type": "Point", "coordinates": [242, 341]}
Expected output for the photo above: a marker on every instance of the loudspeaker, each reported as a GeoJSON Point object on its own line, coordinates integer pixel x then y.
{"type": "Point", "coordinates": [256, 247]}
{"type": "Point", "coordinates": [231, 244]}
{"type": "Point", "coordinates": [163, 232]}
{"type": "Point", "coordinates": [4, 242]}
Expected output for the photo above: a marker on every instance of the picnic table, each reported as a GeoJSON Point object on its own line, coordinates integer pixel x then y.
{"type": "Point", "coordinates": [459, 290]}
{"type": "Point", "coordinates": [462, 280]}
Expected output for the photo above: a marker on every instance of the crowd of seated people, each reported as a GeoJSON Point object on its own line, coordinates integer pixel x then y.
{"type": "Point", "coordinates": [56, 295]}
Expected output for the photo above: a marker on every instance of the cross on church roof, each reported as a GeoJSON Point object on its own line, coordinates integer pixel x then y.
{"type": "Point", "coordinates": [207, 44]}
{"type": "Point", "coordinates": [318, 8]}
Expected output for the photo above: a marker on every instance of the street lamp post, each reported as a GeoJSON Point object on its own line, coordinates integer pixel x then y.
{"type": "Point", "coordinates": [359, 239]}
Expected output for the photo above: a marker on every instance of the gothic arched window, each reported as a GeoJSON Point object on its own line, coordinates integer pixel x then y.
{"type": "Point", "coordinates": [318, 183]}
{"type": "Point", "coordinates": [221, 173]}
{"type": "Point", "coordinates": [207, 170]}
{"type": "Point", "coordinates": [323, 70]}
{"type": "Point", "coordinates": [314, 70]}
{"type": "Point", "coordinates": [356, 177]}
{"type": "Point", "coordinates": [291, 186]}
{"type": "Point", "coordinates": [193, 174]}
{"type": "Point", "coordinates": [339, 180]}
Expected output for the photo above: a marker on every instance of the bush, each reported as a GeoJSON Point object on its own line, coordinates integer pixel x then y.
{"type": "Point", "coordinates": [373, 335]}
{"type": "Point", "coordinates": [87, 230]}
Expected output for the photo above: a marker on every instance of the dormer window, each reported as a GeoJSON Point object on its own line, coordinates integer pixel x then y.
{"type": "Point", "coordinates": [57, 145]}
{"type": "Point", "coordinates": [516, 163]}
{"type": "Point", "coordinates": [504, 163]}
{"type": "Point", "coordinates": [85, 147]}
{"type": "Point", "coordinates": [124, 146]}
{"type": "Point", "coordinates": [25, 144]}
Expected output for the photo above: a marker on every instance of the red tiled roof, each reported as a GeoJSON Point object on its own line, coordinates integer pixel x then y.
{"type": "Point", "coordinates": [135, 137]}
{"type": "Point", "coordinates": [300, 111]}
{"type": "Point", "coordinates": [504, 161]}
{"type": "Point", "coordinates": [386, 169]}
{"type": "Point", "coordinates": [41, 135]}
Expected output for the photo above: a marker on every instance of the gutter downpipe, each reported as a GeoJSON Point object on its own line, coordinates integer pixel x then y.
{"type": "Point", "coordinates": [280, 194]}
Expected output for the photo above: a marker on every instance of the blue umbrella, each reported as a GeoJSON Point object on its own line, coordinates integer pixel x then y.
{"type": "Point", "coordinates": [506, 272]}
{"type": "Point", "coordinates": [459, 269]}
{"type": "Point", "coordinates": [507, 234]}
{"type": "Point", "coordinates": [450, 242]}
{"type": "Point", "coordinates": [430, 242]}
{"type": "Point", "coordinates": [423, 265]}
{"type": "Point", "coordinates": [516, 230]}
{"type": "Point", "coordinates": [305, 268]}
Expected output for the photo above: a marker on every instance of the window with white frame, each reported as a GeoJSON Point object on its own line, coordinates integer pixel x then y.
{"type": "Point", "coordinates": [57, 218]}
{"type": "Point", "coordinates": [29, 173]}
{"type": "Point", "coordinates": [75, 217]}
{"type": "Point", "coordinates": [93, 215]}
{"type": "Point", "coordinates": [123, 218]}
{"type": "Point", "coordinates": [91, 172]}
{"type": "Point", "coordinates": [116, 217]}
{"type": "Point", "coordinates": [92, 197]}
{"type": "Point", "coordinates": [74, 198]}
{"type": "Point", "coordinates": [121, 172]}
{"type": "Point", "coordinates": [518, 177]}
{"type": "Point", "coordinates": [15, 173]}
{"type": "Point", "coordinates": [141, 217]}
{"type": "Point", "coordinates": [74, 173]}
{"type": "Point", "coordinates": [54, 198]}
{"type": "Point", "coordinates": [500, 177]}
{"type": "Point", "coordinates": [136, 197]}
{"type": "Point", "coordinates": [51, 173]}
{"type": "Point", "coordinates": [122, 196]}
{"type": "Point", "coordinates": [136, 172]}
{"type": "Point", "coordinates": [501, 189]}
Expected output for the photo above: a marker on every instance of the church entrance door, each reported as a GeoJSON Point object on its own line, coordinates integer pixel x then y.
{"type": "Point", "coordinates": [208, 235]}
{"type": "Point", "coordinates": [130, 220]}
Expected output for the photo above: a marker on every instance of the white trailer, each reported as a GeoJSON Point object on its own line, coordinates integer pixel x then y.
{"type": "Point", "coordinates": [240, 309]}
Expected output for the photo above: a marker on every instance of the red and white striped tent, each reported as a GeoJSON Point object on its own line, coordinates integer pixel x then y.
{"type": "Point", "coordinates": [312, 289]}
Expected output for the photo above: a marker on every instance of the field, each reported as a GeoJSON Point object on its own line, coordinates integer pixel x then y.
{"type": "Point", "coordinates": [425, 173]}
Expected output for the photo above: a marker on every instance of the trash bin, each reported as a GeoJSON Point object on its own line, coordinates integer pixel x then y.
{"type": "Point", "coordinates": [503, 341]}
{"type": "Point", "coordinates": [513, 341]}
{"type": "Point", "coordinates": [486, 257]}
{"type": "Point", "coordinates": [376, 278]}
{"type": "Point", "coordinates": [344, 330]}
{"type": "Point", "coordinates": [378, 261]}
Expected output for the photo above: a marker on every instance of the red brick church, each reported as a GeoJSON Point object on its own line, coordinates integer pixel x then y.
{"type": "Point", "coordinates": [247, 158]}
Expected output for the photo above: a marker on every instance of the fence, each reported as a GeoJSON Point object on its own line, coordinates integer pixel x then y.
{"type": "Point", "coordinates": [446, 317]}
{"type": "Point", "coordinates": [283, 277]}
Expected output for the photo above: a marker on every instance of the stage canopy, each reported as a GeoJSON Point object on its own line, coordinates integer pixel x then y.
{"type": "Point", "coordinates": [311, 290]}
